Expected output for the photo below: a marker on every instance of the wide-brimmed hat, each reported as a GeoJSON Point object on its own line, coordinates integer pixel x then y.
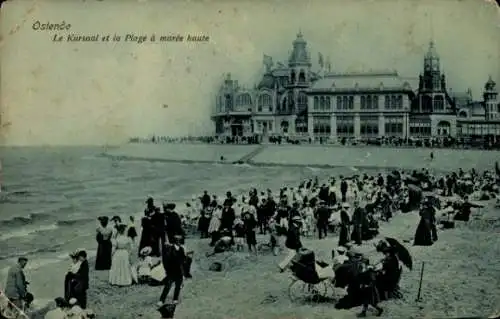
{"type": "Point", "coordinates": [121, 227]}
{"type": "Point", "coordinates": [103, 218]}
{"type": "Point", "coordinates": [341, 249]}
{"type": "Point", "coordinates": [169, 206]}
{"type": "Point", "coordinates": [146, 251]}
{"type": "Point", "coordinates": [73, 301]}
{"type": "Point", "coordinates": [149, 200]}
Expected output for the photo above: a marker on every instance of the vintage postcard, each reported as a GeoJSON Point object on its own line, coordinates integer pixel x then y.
{"type": "Point", "coordinates": [250, 159]}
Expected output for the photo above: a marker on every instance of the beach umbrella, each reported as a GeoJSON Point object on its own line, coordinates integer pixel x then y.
{"type": "Point", "coordinates": [401, 251]}
{"type": "Point", "coordinates": [412, 181]}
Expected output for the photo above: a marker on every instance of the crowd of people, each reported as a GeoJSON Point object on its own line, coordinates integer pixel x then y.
{"type": "Point", "coordinates": [350, 206]}
{"type": "Point", "coordinates": [478, 142]}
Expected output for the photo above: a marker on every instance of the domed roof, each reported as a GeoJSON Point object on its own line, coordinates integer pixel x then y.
{"type": "Point", "coordinates": [267, 82]}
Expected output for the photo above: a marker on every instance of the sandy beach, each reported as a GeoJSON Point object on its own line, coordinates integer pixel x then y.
{"type": "Point", "coordinates": [461, 276]}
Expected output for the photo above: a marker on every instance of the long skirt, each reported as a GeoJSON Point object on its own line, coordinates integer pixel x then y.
{"type": "Point", "coordinates": [344, 237]}
{"type": "Point", "coordinates": [423, 234]}
{"type": "Point", "coordinates": [103, 257]}
{"type": "Point", "coordinates": [120, 273]}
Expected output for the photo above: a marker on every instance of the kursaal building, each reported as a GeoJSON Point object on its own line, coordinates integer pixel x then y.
{"type": "Point", "coordinates": [292, 100]}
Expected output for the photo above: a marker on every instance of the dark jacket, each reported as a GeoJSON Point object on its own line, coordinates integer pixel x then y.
{"type": "Point", "coordinates": [16, 286]}
{"type": "Point", "coordinates": [83, 275]}
{"type": "Point", "coordinates": [343, 187]}
{"type": "Point", "coordinates": [173, 261]}
{"type": "Point", "coordinates": [322, 214]}
{"type": "Point", "coordinates": [173, 224]}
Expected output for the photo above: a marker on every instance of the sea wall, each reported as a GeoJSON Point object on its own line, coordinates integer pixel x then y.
{"type": "Point", "coordinates": [186, 153]}
{"type": "Point", "coordinates": [308, 155]}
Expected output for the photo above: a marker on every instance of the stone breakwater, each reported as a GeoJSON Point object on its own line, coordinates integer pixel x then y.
{"type": "Point", "coordinates": [308, 156]}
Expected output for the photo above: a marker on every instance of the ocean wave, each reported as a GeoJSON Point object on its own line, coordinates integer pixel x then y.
{"type": "Point", "coordinates": [71, 222]}
{"type": "Point", "coordinates": [313, 169]}
{"type": "Point", "coordinates": [20, 221]}
{"type": "Point", "coordinates": [27, 231]}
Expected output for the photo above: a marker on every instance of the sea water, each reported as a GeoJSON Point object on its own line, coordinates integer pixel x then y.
{"type": "Point", "coordinates": [51, 197]}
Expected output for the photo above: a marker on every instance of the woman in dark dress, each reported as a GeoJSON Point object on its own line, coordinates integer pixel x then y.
{"type": "Point", "coordinates": [104, 247]}
{"type": "Point", "coordinates": [423, 234]}
{"type": "Point", "coordinates": [70, 280]}
{"type": "Point", "coordinates": [344, 228]}
{"type": "Point", "coordinates": [146, 234]}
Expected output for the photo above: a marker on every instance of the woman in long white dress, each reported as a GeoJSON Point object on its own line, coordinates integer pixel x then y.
{"type": "Point", "coordinates": [120, 273]}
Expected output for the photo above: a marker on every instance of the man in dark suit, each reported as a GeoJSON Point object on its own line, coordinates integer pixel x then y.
{"type": "Point", "coordinates": [322, 215]}
{"type": "Point", "coordinates": [343, 189]}
{"type": "Point", "coordinates": [16, 286]}
{"type": "Point", "coordinates": [83, 279]}
{"type": "Point", "coordinates": [173, 257]}
{"type": "Point", "coordinates": [173, 222]}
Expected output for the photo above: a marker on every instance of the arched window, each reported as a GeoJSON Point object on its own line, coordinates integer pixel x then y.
{"type": "Point", "coordinates": [368, 102]}
{"type": "Point", "coordinates": [438, 103]}
{"type": "Point", "coordinates": [462, 114]}
{"type": "Point", "coordinates": [302, 101]}
{"type": "Point", "coordinates": [243, 99]}
{"type": "Point", "coordinates": [351, 102]}
{"type": "Point", "coordinates": [394, 102]}
{"type": "Point", "coordinates": [292, 77]}
{"type": "Point", "coordinates": [363, 102]}
{"type": "Point", "coordinates": [426, 103]}
{"type": "Point", "coordinates": [328, 104]}
{"type": "Point", "coordinates": [291, 103]}
{"type": "Point", "coordinates": [387, 102]}
{"type": "Point", "coordinates": [339, 102]}
{"type": "Point", "coordinates": [264, 102]}
{"type": "Point", "coordinates": [400, 101]}
{"type": "Point", "coordinates": [322, 103]}
{"type": "Point", "coordinates": [229, 102]}
{"type": "Point", "coordinates": [302, 77]}
{"type": "Point", "coordinates": [284, 126]}
{"type": "Point", "coordinates": [345, 102]}
{"type": "Point", "coordinates": [316, 103]}
{"type": "Point", "coordinates": [375, 102]}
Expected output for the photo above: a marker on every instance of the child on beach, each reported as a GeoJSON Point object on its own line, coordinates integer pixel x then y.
{"type": "Point", "coordinates": [239, 233]}
{"type": "Point", "coordinates": [250, 226]}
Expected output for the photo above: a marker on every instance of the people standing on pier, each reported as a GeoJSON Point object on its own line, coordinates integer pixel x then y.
{"type": "Point", "coordinates": [104, 246]}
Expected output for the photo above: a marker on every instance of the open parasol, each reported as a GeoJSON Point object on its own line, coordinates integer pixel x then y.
{"type": "Point", "coordinates": [401, 251]}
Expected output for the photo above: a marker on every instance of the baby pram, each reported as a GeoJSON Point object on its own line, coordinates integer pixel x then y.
{"type": "Point", "coordinates": [307, 284]}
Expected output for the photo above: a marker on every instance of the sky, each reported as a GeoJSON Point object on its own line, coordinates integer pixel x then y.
{"type": "Point", "coordinates": [67, 93]}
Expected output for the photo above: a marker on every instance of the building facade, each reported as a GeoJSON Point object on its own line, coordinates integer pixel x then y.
{"type": "Point", "coordinates": [293, 100]}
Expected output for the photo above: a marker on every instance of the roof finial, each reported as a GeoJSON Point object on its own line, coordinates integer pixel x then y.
{"type": "Point", "coordinates": [299, 35]}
